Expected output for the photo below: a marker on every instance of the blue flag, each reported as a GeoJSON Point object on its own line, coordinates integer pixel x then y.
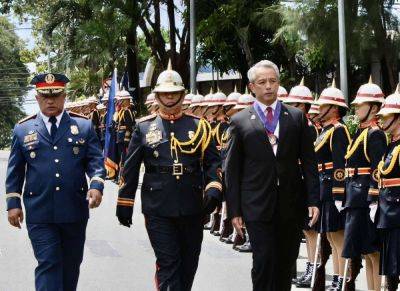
{"type": "Point", "coordinates": [110, 147]}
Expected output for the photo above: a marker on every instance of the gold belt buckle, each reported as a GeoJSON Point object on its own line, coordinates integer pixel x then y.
{"type": "Point", "coordinates": [177, 169]}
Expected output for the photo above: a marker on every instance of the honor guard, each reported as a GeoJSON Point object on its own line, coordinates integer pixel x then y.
{"type": "Point", "coordinates": [186, 102]}
{"type": "Point", "coordinates": [180, 184]}
{"type": "Point", "coordinates": [125, 124]}
{"type": "Point", "coordinates": [301, 97]}
{"type": "Point", "coordinates": [194, 106]}
{"type": "Point", "coordinates": [331, 146]}
{"type": "Point", "coordinates": [151, 103]}
{"type": "Point", "coordinates": [282, 94]}
{"type": "Point", "coordinates": [94, 115]}
{"type": "Point", "coordinates": [204, 107]}
{"type": "Point", "coordinates": [388, 215]}
{"type": "Point", "coordinates": [51, 154]}
{"type": "Point", "coordinates": [102, 112]}
{"type": "Point", "coordinates": [362, 159]}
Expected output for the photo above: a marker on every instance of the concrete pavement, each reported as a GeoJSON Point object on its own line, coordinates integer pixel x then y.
{"type": "Point", "coordinates": [121, 259]}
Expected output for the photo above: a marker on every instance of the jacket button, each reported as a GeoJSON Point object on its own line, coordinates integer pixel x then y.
{"type": "Point", "coordinates": [151, 189]}
{"type": "Point", "coordinates": [57, 188]}
{"type": "Point", "coordinates": [30, 193]}
{"type": "Point", "coordinates": [56, 160]}
{"type": "Point", "coordinates": [57, 175]}
{"type": "Point", "coordinates": [55, 148]}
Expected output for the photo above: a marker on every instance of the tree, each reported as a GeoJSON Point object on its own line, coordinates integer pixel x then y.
{"type": "Point", "coordinates": [13, 80]}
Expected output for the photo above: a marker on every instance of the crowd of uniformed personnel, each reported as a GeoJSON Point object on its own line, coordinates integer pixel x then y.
{"type": "Point", "coordinates": [359, 175]}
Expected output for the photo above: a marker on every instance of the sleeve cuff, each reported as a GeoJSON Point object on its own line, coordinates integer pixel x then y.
{"type": "Point", "coordinates": [97, 183]}
{"type": "Point", "coordinates": [214, 189]}
{"type": "Point", "coordinates": [373, 192]}
{"type": "Point", "coordinates": [13, 202]}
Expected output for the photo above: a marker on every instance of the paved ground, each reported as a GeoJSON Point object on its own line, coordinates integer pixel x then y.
{"type": "Point", "coordinates": [121, 259]}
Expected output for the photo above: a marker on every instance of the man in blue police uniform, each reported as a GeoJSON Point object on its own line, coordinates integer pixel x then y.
{"type": "Point", "coordinates": [51, 152]}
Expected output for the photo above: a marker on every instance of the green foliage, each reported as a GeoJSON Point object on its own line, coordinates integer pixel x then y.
{"type": "Point", "coordinates": [13, 80]}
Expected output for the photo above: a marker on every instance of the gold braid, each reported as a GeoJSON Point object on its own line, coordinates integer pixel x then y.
{"type": "Point", "coordinates": [392, 163]}
{"type": "Point", "coordinates": [324, 139]}
{"type": "Point", "coordinates": [352, 148]}
{"type": "Point", "coordinates": [203, 131]}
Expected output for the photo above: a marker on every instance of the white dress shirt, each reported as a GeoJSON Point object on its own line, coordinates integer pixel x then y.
{"type": "Point", "coordinates": [48, 123]}
{"type": "Point", "coordinates": [276, 132]}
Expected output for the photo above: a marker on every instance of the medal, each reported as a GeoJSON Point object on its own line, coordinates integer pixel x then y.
{"type": "Point", "coordinates": [75, 150]}
{"type": "Point", "coordinates": [81, 141]}
{"type": "Point", "coordinates": [74, 130]}
{"type": "Point", "coordinates": [32, 155]}
{"type": "Point", "coordinates": [153, 136]}
{"type": "Point", "coordinates": [272, 139]}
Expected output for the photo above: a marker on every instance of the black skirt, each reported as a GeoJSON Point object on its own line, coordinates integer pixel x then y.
{"type": "Point", "coordinates": [330, 219]}
{"type": "Point", "coordinates": [360, 234]}
{"type": "Point", "coordinates": [390, 252]}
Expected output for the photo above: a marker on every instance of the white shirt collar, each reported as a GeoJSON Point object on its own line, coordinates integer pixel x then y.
{"type": "Point", "coordinates": [264, 107]}
{"type": "Point", "coordinates": [46, 118]}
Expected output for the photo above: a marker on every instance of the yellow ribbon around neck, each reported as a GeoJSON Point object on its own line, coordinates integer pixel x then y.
{"type": "Point", "coordinates": [392, 163]}
{"type": "Point", "coordinates": [353, 147]}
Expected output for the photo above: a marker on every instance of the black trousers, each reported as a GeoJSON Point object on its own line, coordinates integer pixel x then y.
{"type": "Point", "coordinates": [275, 249]}
{"type": "Point", "coordinates": [177, 244]}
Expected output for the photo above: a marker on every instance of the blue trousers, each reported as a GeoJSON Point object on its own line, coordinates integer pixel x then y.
{"type": "Point", "coordinates": [58, 248]}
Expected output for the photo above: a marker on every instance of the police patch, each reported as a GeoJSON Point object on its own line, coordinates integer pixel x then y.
{"type": "Point", "coordinates": [339, 175]}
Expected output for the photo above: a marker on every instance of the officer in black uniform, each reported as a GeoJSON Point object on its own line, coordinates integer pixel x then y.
{"type": "Point", "coordinates": [94, 114]}
{"type": "Point", "coordinates": [180, 185]}
{"type": "Point", "coordinates": [362, 158]}
{"type": "Point", "coordinates": [388, 215]}
{"type": "Point", "coordinates": [331, 146]}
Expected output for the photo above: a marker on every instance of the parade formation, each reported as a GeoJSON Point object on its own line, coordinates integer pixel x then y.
{"type": "Point", "coordinates": [260, 170]}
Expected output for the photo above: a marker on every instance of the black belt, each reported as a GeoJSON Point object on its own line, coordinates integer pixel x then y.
{"type": "Point", "coordinates": [175, 169]}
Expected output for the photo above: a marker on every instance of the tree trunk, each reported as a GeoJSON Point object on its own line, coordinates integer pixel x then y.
{"type": "Point", "coordinates": [172, 29]}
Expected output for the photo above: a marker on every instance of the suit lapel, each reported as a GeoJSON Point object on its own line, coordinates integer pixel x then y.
{"type": "Point", "coordinates": [259, 128]}
{"type": "Point", "coordinates": [62, 128]}
{"type": "Point", "coordinates": [41, 128]}
{"type": "Point", "coordinates": [283, 127]}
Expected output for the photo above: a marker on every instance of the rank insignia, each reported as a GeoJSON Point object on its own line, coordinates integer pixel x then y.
{"type": "Point", "coordinates": [32, 155]}
{"type": "Point", "coordinates": [74, 130]}
{"type": "Point", "coordinates": [30, 138]}
{"type": "Point", "coordinates": [49, 78]}
{"type": "Point", "coordinates": [191, 134]}
{"type": "Point", "coordinates": [339, 175]}
{"type": "Point", "coordinates": [75, 150]}
{"type": "Point", "coordinates": [153, 136]}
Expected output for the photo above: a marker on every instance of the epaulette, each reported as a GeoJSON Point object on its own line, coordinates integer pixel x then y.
{"type": "Point", "coordinates": [73, 114]}
{"type": "Point", "coordinates": [27, 118]}
{"type": "Point", "coordinates": [145, 118]}
{"type": "Point", "coordinates": [192, 115]}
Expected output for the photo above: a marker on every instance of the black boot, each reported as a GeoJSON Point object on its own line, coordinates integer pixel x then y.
{"type": "Point", "coordinates": [392, 283]}
{"type": "Point", "coordinates": [306, 282]}
{"type": "Point", "coordinates": [334, 284]}
{"type": "Point", "coordinates": [301, 278]}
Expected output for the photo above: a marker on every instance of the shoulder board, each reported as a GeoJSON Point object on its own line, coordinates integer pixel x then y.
{"type": "Point", "coordinates": [73, 114]}
{"type": "Point", "coordinates": [191, 115]}
{"type": "Point", "coordinates": [145, 118]}
{"type": "Point", "coordinates": [27, 118]}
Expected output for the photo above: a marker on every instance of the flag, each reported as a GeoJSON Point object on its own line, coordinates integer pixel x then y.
{"type": "Point", "coordinates": [110, 147]}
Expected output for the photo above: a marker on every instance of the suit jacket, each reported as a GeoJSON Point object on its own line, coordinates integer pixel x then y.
{"type": "Point", "coordinates": [52, 173]}
{"type": "Point", "coordinates": [253, 172]}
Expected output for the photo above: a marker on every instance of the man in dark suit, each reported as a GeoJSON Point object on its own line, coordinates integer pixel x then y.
{"type": "Point", "coordinates": [270, 149]}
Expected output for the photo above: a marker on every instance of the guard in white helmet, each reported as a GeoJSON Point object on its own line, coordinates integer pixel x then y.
{"type": "Point", "coordinates": [282, 94]}
{"type": "Point", "coordinates": [195, 106]}
{"type": "Point", "coordinates": [388, 215]}
{"type": "Point", "coordinates": [362, 159]}
{"type": "Point", "coordinates": [331, 147]}
{"type": "Point", "coordinates": [301, 97]}
{"type": "Point", "coordinates": [180, 185]}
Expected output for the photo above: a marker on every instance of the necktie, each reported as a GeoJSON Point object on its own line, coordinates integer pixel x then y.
{"type": "Point", "coordinates": [53, 129]}
{"type": "Point", "coordinates": [270, 114]}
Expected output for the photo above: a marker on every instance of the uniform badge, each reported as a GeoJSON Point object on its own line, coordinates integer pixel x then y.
{"type": "Point", "coordinates": [75, 150]}
{"type": "Point", "coordinates": [153, 136]}
{"type": "Point", "coordinates": [375, 175]}
{"type": "Point", "coordinates": [30, 137]}
{"type": "Point", "coordinates": [339, 175]}
{"type": "Point", "coordinates": [272, 139]}
{"type": "Point", "coordinates": [49, 78]}
{"type": "Point", "coordinates": [191, 134]}
{"type": "Point", "coordinates": [32, 155]}
{"type": "Point", "coordinates": [74, 130]}
{"type": "Point", "coordinates": [81, 141]}
{"type": "Point", "coordinates": [156, 154]}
